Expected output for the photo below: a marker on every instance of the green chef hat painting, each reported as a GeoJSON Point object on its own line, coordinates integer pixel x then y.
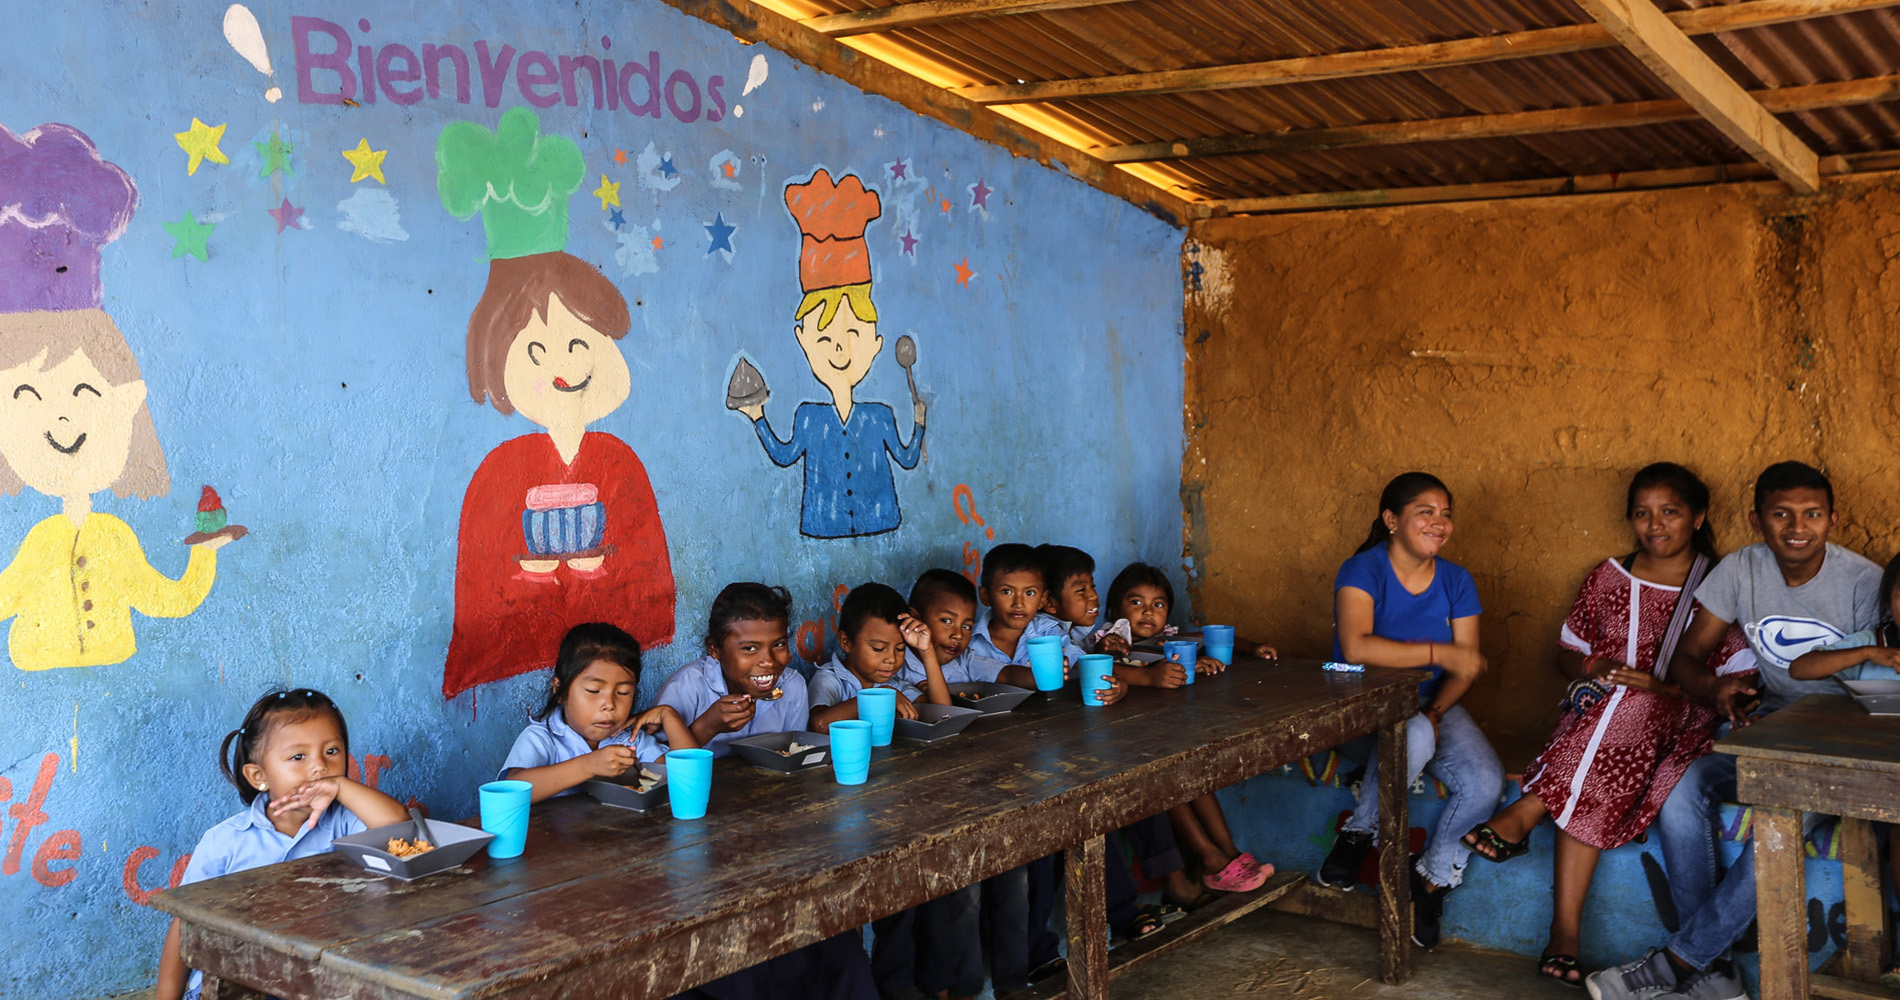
{"type": "Point", "coordinates": [559, 526]}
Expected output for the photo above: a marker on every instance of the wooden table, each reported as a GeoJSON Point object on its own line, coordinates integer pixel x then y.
{"type": "Point", "coordinates": [613, 903]}
{"type": "Point", "coordinates": [1821, 754]}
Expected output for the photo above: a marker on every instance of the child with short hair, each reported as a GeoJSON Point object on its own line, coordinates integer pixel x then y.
{"type": "Point", "coordinates": [1144, 596]}
{"type": "Point", "coordinates": [1071, 598]}
{"type": "Point", "coordinates": [740, 687]}
{"type": "Point", "coordinates": [875, 633]}
{"type": "Point", "coordinates": [587, 728]}
{"type": "Point", "coordinates": [288, 760]}
{"type": "Point", "coordinates": [945, 601]}
{"type": "Point", "coordinates": [1012, 592]}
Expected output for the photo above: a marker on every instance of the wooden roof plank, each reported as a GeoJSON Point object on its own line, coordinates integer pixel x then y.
{"type": "Point", "coordinates": [1782, 100]}
{"type": "Point", "coordinates": [1687, 70]}
{"type": "Point", "coordinates": [753, 23]}
{"type": "Point", "coordinates": [1407, 58]}
{"type": "Point", "coordinates": [924, 13]}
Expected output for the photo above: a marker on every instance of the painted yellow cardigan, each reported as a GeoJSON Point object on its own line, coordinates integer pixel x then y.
{"type": "Point", "coordinates": [70, 592]}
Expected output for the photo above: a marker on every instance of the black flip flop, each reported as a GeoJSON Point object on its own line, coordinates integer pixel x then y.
{"type": "Point", "coordinates": [1501, 850]}
{"type": "Point", "coordinates": [1561, 968]}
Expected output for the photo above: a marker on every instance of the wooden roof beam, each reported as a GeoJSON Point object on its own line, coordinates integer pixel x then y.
{"type": "Point", "coordinates": [1405, 58]}
{"type": "Point", "coordinates": [1862, 164]}
{"type": "Point", "coordinates": [1782, 100]}
{"type": "Point", "coordinates": [754, 23]}
{"type": "Point", "coordinates": [924, 13]}
{"type": "Point", "coordinates": [1687, 70]}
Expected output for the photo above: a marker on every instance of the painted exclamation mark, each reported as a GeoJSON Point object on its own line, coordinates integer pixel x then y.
{"type": "Point", "coordinates": [241, 30]}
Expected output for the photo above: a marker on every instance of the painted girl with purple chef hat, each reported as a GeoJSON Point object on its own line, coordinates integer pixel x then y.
{"type": "Point", "coordinates": [73, 417]}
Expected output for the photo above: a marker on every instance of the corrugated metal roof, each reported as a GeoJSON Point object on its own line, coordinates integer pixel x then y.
{"type": "Point", "coordinates": [1142, 36]}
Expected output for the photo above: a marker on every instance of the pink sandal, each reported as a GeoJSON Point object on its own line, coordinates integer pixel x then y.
{"type": "Point", "coordinates": [1238, 876]}
{"type": "Point", "coordinates": [1256, 864]}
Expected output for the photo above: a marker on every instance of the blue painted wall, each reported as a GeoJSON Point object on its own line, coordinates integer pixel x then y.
{"type": "Point", "coordinates": [316, 378]}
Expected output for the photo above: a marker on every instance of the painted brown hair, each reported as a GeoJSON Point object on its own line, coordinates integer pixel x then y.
{"type": "Point", "coordinates": [519, 287]}
{"type": "Point", "coordinates": [62, 334]}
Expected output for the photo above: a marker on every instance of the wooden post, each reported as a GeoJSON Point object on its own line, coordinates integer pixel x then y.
{"type": "Point", "coordinates": [1866, 904]}
{"type": "Point", "coordinates": [1395, 887]}
{"type": "Point", "coordinates": [214, 988]}
{"type": "Point", "coordinates": [1087, 901]}
{"type": "Point", "coordinates": [1781, 904]}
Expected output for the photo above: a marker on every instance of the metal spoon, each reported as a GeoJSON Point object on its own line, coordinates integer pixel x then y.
{"type": "Point", "coordinates": [422, 825]}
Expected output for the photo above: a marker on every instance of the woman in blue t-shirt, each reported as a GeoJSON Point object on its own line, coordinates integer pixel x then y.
{"type": "Point", "coordinates": [1397, 604]}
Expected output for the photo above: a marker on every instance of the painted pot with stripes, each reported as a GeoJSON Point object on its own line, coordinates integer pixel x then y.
{"type": "Point", "coordinates": [564, 520]}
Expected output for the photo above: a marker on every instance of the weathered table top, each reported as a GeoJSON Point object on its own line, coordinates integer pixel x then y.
{"type": "Point", "coordinates": [1829, 730]}
{"type": "Point", "coordinates": [608, 902]}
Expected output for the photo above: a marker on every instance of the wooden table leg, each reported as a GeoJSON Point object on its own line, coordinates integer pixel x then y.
{"type": "Point", "coordinates": [1866, 904]}
{"type": "Point", "coordinates": [1395, 887]}
{"type": "Point", "coordinates": [1781, 904]}
{"type": "Point", "coordinates": [1086, 896]}
{"type": "Point", "coordinates": [224, 989]}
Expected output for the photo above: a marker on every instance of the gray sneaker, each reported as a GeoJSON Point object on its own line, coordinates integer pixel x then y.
{"type": "Point", "coordinates": [1647, 978]}
{"type": "Point", "coordinates": [1717, 982]}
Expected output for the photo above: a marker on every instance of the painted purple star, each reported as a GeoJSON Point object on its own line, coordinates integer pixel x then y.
{"type": "Point", "coordinates": [287, 216]}
{"type": "Point", "coordinates": [897, 170]}
{"type": "Point", "coordinates": [910, 243]}
{"type": "Point", "coordinates": [980, 194]}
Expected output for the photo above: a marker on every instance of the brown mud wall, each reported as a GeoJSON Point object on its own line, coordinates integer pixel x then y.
{"type": "Point", "coordinates": [1533, 354]}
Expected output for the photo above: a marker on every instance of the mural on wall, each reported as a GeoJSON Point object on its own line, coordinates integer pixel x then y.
{"type": "Point", "coordinates": [847, 446]}
{"type": "Point", "coordinates": [73, 416]}
{"type": "Point", "coordinates": [560, 526]}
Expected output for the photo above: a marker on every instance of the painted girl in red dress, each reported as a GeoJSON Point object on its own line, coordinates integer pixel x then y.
{"type": "Point", "coordinates": [558, 528]}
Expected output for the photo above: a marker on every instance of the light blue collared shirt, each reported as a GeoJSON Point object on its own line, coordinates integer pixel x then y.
{"type": "Point", "coordinates": [967, 668]}
{"type": "Point", "coordinates": [1041, 625]}
{"type": "Point", "coordinates": [249, 840]}
{"type": "Point", "coordinates": [553, 741]}
{"type": "Point", "coordinates": [834, 683]}
{"type": "Point", "coordinates": [695, 686]}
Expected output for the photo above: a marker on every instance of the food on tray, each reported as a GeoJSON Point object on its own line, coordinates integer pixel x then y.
{"type": "Point", "coordinates": [409, 849]}
{"type": "Point", "coordinates": [796, 748]}
{"type": "Point", "coordinates": [649, 780]}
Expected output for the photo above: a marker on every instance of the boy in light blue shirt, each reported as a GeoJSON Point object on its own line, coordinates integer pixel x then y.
{"type": "Point", "coordinates": [1012, 592]}
{"type": "Point", "coordinates": [740, 687]}
{"type": "Point", "coordinates": [946, 603]}
{"type": "Point", "coordinates": [1071, 597]}
{"type": "Point", "coordinates": [875, 632]}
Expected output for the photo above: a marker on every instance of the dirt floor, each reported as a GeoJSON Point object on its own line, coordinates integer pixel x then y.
{"type": "Point", "coordinates": [1285, 957]}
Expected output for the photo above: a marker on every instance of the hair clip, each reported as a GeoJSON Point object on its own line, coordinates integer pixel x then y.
{"type": "Point", "coordinates": [241, 730]}
{"type": "Point", "coordinates": [281, 694]}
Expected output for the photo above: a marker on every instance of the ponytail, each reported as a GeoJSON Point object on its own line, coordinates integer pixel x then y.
{"type": "Point", "coordinates": [242, 745]}
{"type": "Point", "coordinates": [1401, 491]}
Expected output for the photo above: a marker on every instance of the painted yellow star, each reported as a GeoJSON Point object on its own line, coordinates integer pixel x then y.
{"type": "Point", "coordinates": [608, 192]}
{"type": "Point", "coordinates": [368, 162]}
{"type": "Point", "coordinates": [201, 143]}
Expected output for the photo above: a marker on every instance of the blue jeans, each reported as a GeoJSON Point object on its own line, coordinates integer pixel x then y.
{"type": "Point", "coordinates": [1462, 759]}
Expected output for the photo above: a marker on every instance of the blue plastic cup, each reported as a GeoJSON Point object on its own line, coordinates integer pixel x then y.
{"type": "Point", "coordinates": [1096, 670]}
{"type": "Point", "coordinates": [878, 706]}
{"type": "Point", "coordinates": [1183, 651]}
{"type": "Point", "coordinates": [851, 751]}
{"type": "Point", "coordinates": [689, 782]}
{"type": "Point", "coordinates": [1045, 661]}
{"type": "Point", "coordinates": [505, 814]}
{"type": "Point", "coordinates": [1218, 640]}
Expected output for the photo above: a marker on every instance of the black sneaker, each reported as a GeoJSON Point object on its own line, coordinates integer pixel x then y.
{"type": "Point", "coordinates": [1428, 909]}
{"type": "Point", "coordinates": [1340, 870]}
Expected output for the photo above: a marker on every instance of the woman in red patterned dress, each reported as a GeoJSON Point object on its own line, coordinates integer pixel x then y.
{"type": "Point", "coordinates": [1627, 734]}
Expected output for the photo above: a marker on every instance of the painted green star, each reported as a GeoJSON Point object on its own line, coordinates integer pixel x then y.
{"type": "Point", "coordinates": [276, 156]}
{"type": "Point", "coordinates": [191, 236]}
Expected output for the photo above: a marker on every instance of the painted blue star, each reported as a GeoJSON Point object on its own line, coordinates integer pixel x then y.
{"type": "Point", "coordinates": [720, 233]}
{"type": "Point", "coordinates": [616, 218]}
{"type": "Point", "coordinates": [1195, 270]}
{"type": "Point", "coordinates": [667, 169]}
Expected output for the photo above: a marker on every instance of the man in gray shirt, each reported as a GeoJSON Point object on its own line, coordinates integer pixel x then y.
{"type": "Point", "coordinates": [1790, 593]}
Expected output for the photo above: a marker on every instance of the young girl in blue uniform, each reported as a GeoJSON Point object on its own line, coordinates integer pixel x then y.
{"type": "Point", "coordinates": [1143, 595]}
{"type": "Point", "coordinates": [587, 729]}
{"type": "Point", "coordinates": [740, 687]}
{"type": "Point", "coordinates": [1398, 604]}
{"type": "Point", "coordinates": [287, 760]}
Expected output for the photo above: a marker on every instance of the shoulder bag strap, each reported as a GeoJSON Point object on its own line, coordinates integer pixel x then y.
{"type": "Point", "coordinates": [1679, 620]}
